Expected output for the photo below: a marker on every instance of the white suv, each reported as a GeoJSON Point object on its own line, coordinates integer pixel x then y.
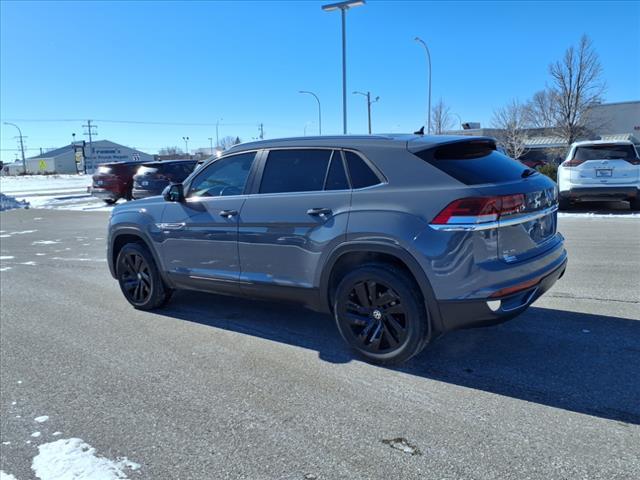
{"type": "Point", "coordinates": [599, 171]}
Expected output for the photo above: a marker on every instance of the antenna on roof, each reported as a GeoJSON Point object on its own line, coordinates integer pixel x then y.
{"type": "Point", "coordinates": [419, 132]}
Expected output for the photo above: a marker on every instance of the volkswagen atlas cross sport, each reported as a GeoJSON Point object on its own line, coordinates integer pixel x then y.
{"type": "Point", "coordinates": [399, 238]}
{"type": "Point", "coordinates": [599, 171]}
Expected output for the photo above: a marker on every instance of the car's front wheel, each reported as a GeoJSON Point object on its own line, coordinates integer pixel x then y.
{"type": "Point", "coordinates": [380, 314]}
{"type": "Point", "coordinates": [139, 278]}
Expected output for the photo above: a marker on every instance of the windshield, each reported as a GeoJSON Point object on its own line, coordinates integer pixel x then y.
{"type": "Point", "coordinates": [604, 152]}
{"type": "Point", "coordinates": [146, 170]}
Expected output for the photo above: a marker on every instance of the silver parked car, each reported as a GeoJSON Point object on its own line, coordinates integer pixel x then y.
{"type": "Point", "coordinates": [399, 238]}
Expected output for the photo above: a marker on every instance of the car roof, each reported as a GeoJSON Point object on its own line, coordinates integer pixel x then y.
{"type": "Point", "coordinates": [165, 162]}
{"type": "Point", "coordinates": [412, 142]}
{"type": "Point", "coordinates": [601, 142]}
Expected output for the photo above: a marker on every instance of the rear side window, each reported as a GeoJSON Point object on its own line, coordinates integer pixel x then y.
{"type": "Point", "coordinates": [473, 163]}
{"type": "Point", "coordinates": [605, 152]}
{"type": "Point", "coordinates": [336, 176]}
{"type": "Point", "coordinates": [360, 173]}
{"type": "Point", "coordinates": [146, 170]}
{"type": "Point", "coordinates": [295, 171]}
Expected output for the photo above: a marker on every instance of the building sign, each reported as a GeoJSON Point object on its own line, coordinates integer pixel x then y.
{"type": "Point", "coordinates": [78, 156]}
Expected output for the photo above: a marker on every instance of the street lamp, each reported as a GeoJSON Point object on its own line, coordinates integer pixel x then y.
{"type": "Point", "coordinates": [422, 42]}
{"type": "Point", "coordinates": [24, 162]}
{"type": "Point", "coordinates": [319, 111]}
{"type": "Point", "coordinates": [369, 102]}
{"type": "Point", "coordinates": [186, 144]}
{"type": "Point", "coordinates": [343, 7]}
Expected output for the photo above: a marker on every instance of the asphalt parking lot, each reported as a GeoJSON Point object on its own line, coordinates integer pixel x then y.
{"type": "Point", "coordinates": [216, 388]}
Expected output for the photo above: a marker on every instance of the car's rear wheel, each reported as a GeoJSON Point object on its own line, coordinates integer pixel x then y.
{"type": "Point", "coordinates": [139, 278]}
{"type": "Point", "coordinates": [380, 314]}
{"type": "Point", "coordinates": [110, 201]}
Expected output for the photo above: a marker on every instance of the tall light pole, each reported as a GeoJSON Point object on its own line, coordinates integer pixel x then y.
{"type": "Point", "coordinates": [186, 144]}
{"type": "Point", "coordinates": [24, 162]}
{"type": "Point", "coordinates": [217, 135]}
{"type": "Point", "coordinates": [211, 144]}
{"type": "Point", "coordinates": [369, 102]}
{"type": "Point", "coordinates": [422, 42]}
{"type": "Point", "coordinates": [343, 7]}
{"type": "Point", "coordinates": [319, 110]}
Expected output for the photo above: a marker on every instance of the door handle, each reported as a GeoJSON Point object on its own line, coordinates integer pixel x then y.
{"type": "Point", "coordinates": [228, 213]}
{"type": "Point", "coordinates": [319, 212]}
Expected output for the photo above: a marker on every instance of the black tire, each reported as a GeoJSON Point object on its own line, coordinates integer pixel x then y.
{"type": "Point", "coordinates": [139, 278]}
{"type": "Point", "coordinates": [110, 201]}
{"type": "Point", "coordinates": [634, 203]}
{"type": "Point", "coordinates": [380, 314]}
{"type": "Point", "coordinates": [564, 203]}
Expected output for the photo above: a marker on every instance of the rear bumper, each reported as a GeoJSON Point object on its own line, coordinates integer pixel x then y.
{"type": "Point", "coordinates": [477, 313]}
{"type": "Point", "coordinates": [104, 194]}
{"type": "Point", "coordinates": [598, 193]}
{"type": "Point", "coordinates": [138, 193]}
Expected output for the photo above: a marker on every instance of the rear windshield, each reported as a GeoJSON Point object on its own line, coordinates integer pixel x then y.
{"type": "Point", "coordinates": [604, 152]}
{"type": "Point", "coordinates": [474, 163]}
{"type": "Point", "coordinates": [104, 169]}
{"type": "Point", "coordinates": [145, 170]}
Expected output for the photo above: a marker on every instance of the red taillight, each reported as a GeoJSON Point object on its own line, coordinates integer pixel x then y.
{"type": "Point", "coordinates": [479, 209]}
{"type": "Point", "coordinates": [574, 162]}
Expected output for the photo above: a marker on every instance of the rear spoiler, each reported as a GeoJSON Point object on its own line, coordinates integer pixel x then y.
{"type": "Point", "coordinates": [450, 142]}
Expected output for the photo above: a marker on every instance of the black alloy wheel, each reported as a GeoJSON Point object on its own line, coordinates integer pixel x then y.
{"type": "Point", "coordinates": [139, 278]}
{"type": "Point", "coordinates": [380, 314]}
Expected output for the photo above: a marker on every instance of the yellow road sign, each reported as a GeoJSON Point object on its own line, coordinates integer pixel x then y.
{"type": "Point", "coordinates": [42, 165]}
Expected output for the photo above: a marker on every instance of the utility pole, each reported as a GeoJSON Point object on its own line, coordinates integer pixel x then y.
{"type": "Point", "coordinates": [369, 102]}
{"type": "Point", "coordinates": [217, 134]}
{"type": "Point", "coordinates": [261, 128]}
{"type": "Point", "coordinates": [211, 144]}
{"type": "Point", "coordinates": [24, 162]}
{"type": "Point", "coordinates": [89, 126]}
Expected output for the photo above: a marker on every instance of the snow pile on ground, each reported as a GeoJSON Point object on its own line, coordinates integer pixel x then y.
{"type": "Point", "coordinates": [9, 203]}
{"type": "Point", "coordinates": [67, 192]}
{"type": "Point", "coordinates": [73, 459]}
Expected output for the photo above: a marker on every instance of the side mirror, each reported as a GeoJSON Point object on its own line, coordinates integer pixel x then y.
{"type": "Point", "coordinates": [174, 193]}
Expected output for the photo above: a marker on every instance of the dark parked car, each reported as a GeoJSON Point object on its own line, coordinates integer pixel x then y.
{"type": "Point", "coordinates": [151, 178]}
{"type": "Point", "coordinates": [113, 181]}
{"type": "Point", "coordinates": [400, 238]}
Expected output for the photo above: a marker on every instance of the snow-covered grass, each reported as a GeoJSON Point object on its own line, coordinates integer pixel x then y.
{"type": "Point", "coordinates": [43, 183]}
{"type": "Point", "coordinates": [73, 459]}
{"type": "Point", "coordinates": [6, 476]}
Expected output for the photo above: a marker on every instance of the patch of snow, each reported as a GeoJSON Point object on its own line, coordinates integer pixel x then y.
{"type": "Point", "coordinates": [6, 443]}
{"type": "Point", "coordinates": [18, 416]}
{"type": "Point", "coordinates": [19, 382]}
{"type": "Point", "coordinates": [4, 269]}
{"type": "Point", "coordinates": [622, 214]}
{"type": "Point", "coordinates": [44, 242]}
{"type": "Point", "coordinates": [6, 476]}
{"type": "Point", "coordinates": [55, 434]}
{"type": "Point", "coordinates": [31, 262]}
{"type": "Point", "coordinates": [42, 419]}
{"type": "Point", "coordinates": [6, 257]}
{"type": "Point", "coordinates": [40, 254]}
{"type": "Point", "coordinates": [36, 434]}
{"type": "Point", "coordinates": [73, 459]}
{"type": "Point", "coordinates": [14, 403]}
{"type": "Point", "coordinates": [37, 183]}
{"type": "Point", "coordinates": [37, 218]}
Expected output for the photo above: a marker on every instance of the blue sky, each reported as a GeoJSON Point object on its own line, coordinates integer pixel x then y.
{"type": "Point", "coordinates": [244, 62]}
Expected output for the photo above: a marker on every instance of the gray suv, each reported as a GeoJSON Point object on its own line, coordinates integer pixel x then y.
{"type": "Point", "coordinates": [400, 238]}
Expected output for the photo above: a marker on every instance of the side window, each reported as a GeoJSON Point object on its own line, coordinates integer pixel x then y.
{"type": "Point", "coordinates": [360, 173]}
{"type": "Point", "coordinates": [223, 177]}
{"type": "Point", "coordinates": [295, 171]}
{"type": "Point", "coordinates": [336, 176]}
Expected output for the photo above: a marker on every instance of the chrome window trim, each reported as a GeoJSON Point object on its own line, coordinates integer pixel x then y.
{"type": "Point", "coordinates": [476, 227]}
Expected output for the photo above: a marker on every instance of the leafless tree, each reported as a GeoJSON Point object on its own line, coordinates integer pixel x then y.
{"type": "Point", "coordinates": [510, 120]}
{"type": "Point", "coordinates": [441, 118]}
{"type": "Point", "coordinates": [542, 110]}
{"type": "Point", "coordinates": [577, 88]}
{"type": "Point", "coordinates": [227, 142]}
{"type": "Point", "coordinates": [170, 151]}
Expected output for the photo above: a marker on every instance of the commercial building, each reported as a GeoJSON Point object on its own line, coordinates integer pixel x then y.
{"type": "Point", "coordinates": [73, 158]}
